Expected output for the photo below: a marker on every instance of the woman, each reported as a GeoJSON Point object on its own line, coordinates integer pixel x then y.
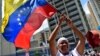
{"type": "Point", "coordinates": [63, 44]}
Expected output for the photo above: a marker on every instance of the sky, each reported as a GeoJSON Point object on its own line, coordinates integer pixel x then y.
{"type": "Point", "coordinates": [84, 4]}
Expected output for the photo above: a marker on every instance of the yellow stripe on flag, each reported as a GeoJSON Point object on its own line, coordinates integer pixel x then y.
{"type": "Point", "coordinates": [9, 7]}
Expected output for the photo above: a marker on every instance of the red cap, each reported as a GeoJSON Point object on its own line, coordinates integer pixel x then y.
{"type": "Point", "coordinates": [93, 37]}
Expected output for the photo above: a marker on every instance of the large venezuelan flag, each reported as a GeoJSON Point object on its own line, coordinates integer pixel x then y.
{"type": "Point", "coordinates": [25, 20]}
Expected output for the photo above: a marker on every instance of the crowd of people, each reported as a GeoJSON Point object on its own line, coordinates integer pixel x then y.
{"type": "Point", "coordinates": [91, 53]}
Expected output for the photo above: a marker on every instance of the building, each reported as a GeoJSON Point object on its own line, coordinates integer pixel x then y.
{"type": "Point", "coordinates": [74, 10]}
{"type": "Point", "coordinates": [39, 38]}
{"type": "Point", "coordinates": [93, 23]}
{"type": "Point", "coordinates": [95, 7]}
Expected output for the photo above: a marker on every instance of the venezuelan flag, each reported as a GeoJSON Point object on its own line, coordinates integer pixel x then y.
{"type": "Point", "coordinates": [9, 7]}
{"type": "Point", "coordinates": [25, 20]}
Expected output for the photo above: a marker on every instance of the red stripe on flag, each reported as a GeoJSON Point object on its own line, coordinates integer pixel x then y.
{"type": "Point", "coordinates": [23, 38]}
{"type": "Point", "coordinates": [46, 10]}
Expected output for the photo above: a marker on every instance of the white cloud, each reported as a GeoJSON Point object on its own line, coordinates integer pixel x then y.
{"type": "Point", "coordinates": [86, 9]}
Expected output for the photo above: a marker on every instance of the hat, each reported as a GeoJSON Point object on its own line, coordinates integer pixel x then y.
{"type": "Point", "coordinates": [61, 39]}
{"type": "Point", "coordinates": [93, 38]}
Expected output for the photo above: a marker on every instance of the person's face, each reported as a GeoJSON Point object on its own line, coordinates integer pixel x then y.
{"type": "Point", "coordinates": [63, 46]}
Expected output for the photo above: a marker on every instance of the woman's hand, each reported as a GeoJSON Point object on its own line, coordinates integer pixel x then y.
{"type": "Point", "coordinates": [61, 19]}
{"type": "Point", "coordinates": [69, 22]}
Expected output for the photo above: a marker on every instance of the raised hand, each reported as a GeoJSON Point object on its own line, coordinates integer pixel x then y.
{"type": "Point", "coordinates": [69, 22]}
{"type": "Point", "coordinates": [61, 19]}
